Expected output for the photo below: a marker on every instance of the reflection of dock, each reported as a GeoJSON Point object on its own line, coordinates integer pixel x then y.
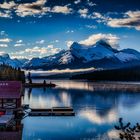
{"type": "Point", "coordinates": [55, 111]}
{"type": "Point", "coordinates": [6, 120]}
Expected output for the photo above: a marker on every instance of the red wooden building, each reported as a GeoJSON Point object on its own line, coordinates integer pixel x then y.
{"type": "Point", "coordinates": [10, 101]}
{"type": "Point", "coordinates": [10, 94]}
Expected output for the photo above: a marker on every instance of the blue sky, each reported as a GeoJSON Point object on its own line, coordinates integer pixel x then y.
{"type": "Point", "coordinates": [37, 28]}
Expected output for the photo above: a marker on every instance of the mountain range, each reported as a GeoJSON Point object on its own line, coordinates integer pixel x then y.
{"type": "Point", "coordinates": [99, 55]}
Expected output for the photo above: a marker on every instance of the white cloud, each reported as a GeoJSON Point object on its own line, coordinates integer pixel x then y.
{"type": "Point", "coordinates": [50, 46]}
{"type": "Point", "coordinates": [3, 33]}
{"type": "Point", "coordinates": [56, 41]}
{"type": "Point", "coordinates": [36, 8]}
{"type": "Point", "coordinates": [40, 41]}
{"type": "Point", "coordinates": [69, 43]}
{"type": "Point", "coordinates": [90, 3]}
{"type": "Point", "coordinates": [91, 26]}
{"type": "Point", "coordinates": [19, 41]}
{"type": "Point", "coordinates": [32, 9]}
{"type": "Point", "coordinates": [94, 117]}
{"type": "Point", "coordinates": [19, 52]}
{"type": "Point", "coordinates": [77, 1]}
{"type": "Point", "coordinates": [70, 31]}
{"type": "Point", "coordinates": [2, 52]}
{"type": "Point", "coordinates": [83, 12]}
{"type": "Point", "coordinates": [5, 40]}
{"type": "Point", "coordinates": [61, 9]}
{"type": "Point", "coordinates": [3, 45]}
{"type": "Point", "coordinates": [110, 38]}
{"type": "Point", "coordinates": [56, 71]}
{"type": "Point", "coordinates": [25, 9]}
{"type": "Point", "coordinates": [131, 19]}
{"type": "Point", "coordinates": [97, 15]}
{"type": "Point", "coordinates": [19, 57]}
{"type": "Point", "coordinates": [113, 134]}
{"type": "Point", "coordinates": [49, 50]}
{"type": "Point", "coordinates": [8, 5]}
{"type": "Point", "coordinates": [5, 14]}
{"type": "Point", "coordinates": [41, 50]}
{"type": "Point", "coordinates": [19, 45]}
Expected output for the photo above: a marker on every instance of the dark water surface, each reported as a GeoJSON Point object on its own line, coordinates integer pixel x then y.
{"type": "Point", "coordinates": [96, 112]}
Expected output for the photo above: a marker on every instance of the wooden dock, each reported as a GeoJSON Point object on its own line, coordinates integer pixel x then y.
{"type": "Point", "coordinates": [55, 111]}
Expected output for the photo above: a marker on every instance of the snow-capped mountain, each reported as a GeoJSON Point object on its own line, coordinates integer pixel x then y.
{"type": "Point", "coordinates": [5, 59]}
{"type": "Point", "coordinates": [99, 55]}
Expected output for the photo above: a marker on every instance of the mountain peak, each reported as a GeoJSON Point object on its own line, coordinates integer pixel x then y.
{"type": "Point", "coordinates": [103, 42]}
{"type": "Point", "coordinates": [75, 45]}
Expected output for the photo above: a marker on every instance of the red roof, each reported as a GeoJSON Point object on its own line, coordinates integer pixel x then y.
{"type": "Point", "coordinates": [10, 89]}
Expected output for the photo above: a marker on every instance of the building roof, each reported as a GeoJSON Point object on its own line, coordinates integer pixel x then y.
{"type": "Point", "coordinates": [10, 89]}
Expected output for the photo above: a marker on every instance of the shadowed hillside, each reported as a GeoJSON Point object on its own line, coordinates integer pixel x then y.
{"type": "Point", "coordinates": [124, 74]}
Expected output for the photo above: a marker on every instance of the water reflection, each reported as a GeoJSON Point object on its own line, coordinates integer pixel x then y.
{"type": "Point", "coordinates": [96, 112]}
{"type": "Point", "coordinates": [95, 117]}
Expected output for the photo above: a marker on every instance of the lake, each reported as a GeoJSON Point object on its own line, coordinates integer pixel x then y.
{"type": "Point", "coordinates": [96, 111]}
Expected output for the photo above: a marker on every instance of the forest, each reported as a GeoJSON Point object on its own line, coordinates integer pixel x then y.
{"type": "Point", "coordinates": [8, 73]}
{"type": "Point", "coordinates": [121, 74]}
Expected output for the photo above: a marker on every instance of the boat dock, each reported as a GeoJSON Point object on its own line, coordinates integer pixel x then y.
{"type": "Point", "coordinates": [39, 85]}
{"type": "Point", "coordinates": [55, 111]}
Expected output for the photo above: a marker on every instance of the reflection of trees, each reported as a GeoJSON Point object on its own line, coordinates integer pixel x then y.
{"type": "Point", "coordinates": [102, 102]}
{"type": "Point", "coordinates": [127, 132]}
{"type": "Point", "coordinates": [29, 92]}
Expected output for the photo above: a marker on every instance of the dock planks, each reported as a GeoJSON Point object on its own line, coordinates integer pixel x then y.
{"type": "Point", "coordinates": [55, 111]}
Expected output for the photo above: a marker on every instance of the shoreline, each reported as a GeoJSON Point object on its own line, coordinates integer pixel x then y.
{"type": "Point", "coordinates": [116, 86]}
{"type": "Point", "coordinates": [97, 85]}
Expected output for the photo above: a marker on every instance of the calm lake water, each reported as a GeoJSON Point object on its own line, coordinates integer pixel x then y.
{"type": "Point", "coordinates": [96, 112]}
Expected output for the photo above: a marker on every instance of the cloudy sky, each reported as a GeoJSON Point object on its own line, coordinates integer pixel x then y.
{"type": "Point", "coordinates": [37, 28]}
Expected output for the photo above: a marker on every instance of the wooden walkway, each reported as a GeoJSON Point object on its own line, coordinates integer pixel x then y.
{"type": "Point", "coordinates": [55, 111]}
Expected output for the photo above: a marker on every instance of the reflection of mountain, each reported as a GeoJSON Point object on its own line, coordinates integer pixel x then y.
{"type": "Point", "coordinates": [96, 112]}
{"type": "Point", "coordinates": [129, 101]}
{"type": "Point", "coordinates": [94, 117]}
{"type": "Point", "coordinates": [102, 106]}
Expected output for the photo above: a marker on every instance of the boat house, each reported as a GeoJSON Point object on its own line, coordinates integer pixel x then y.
{"type": "Point", "coordinates": [10, 102]}
{"type": "Point", "coordinates": [10, 95]}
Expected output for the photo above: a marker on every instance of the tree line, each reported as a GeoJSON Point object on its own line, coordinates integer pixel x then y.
{"type": "Point", "coordinates": [122, 74]}
{"type": "Point", "coordinates": [9, 73]}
